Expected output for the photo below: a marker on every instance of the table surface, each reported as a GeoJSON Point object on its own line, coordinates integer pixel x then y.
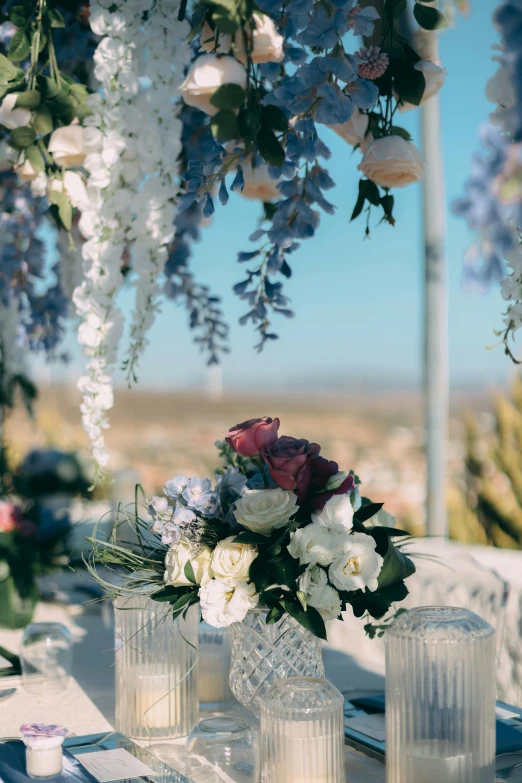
{"type": "Point", "coordinates": [88, 705]}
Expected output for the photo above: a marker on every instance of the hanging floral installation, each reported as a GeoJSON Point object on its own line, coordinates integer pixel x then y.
{"type": "Point", "coordinates": [130, 118]}
{"type": "Point", "coordinates": [492, 205]}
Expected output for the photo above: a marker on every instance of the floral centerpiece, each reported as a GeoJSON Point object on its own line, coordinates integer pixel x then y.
{"type": "Point", "coordinates": [282, 534]}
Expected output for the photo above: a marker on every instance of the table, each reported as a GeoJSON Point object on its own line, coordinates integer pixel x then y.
{"type": "Point", "coordinates": [88, 705]}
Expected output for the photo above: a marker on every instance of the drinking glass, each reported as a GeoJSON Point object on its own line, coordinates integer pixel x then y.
{"type": "Point", "coordinates": [46, 658]}
{"type": "Point", "coordinates": [440, 697]}
{"type": "Point", "coordinates": [222, 749]}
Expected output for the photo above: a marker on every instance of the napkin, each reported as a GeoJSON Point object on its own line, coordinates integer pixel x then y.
{"type": "Point", "coordinates": [509, 738]}
{"type": "Point", "coordinates": [12, 766]}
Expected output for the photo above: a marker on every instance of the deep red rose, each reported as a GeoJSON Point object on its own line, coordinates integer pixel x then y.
{"type": "Point", "coordinates": [319, 501]}
{"type": "Point", "coordinates": [288, 461]}
{"type": "Point", "coordinates": [250, 437]}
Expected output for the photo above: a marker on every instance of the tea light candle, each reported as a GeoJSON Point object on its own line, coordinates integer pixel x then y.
{"type": "Point", "coordinates": [436, 761]}
{"type": "Point", "coordinates": [43, 749]}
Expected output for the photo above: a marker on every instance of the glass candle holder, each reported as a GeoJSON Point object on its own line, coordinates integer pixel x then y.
{"type": "Point", "coordinates": [214, 667]}
{"type": "Point", "coordinates": [302, 732]}
{"type": "Point", "coordinates": [46, 658]}
{"type": "Point", "coordinates": [156, 662]}
{"type": "Point", "coordinates": [222, 749]}
{"type": "Point", "coordinates": [43, 750]}
{"type": "Point", "coordinates": [440, 697]}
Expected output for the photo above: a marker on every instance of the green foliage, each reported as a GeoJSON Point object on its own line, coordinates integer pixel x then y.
{"type": "Point", "coordinates": [428, 18]}
{"type": "Point", "coordinates": [228, 96]}
{"type": "Point", "coordinates": [224, 125]}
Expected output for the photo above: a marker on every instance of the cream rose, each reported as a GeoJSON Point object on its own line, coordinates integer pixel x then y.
{"type": "Point", "coordinates": [26, 170]}
{"type": "Point", "coordinates": [206, 75]}
{"type": "Point", "coordinates": [258, 184]}
{"type": "Point", "coordinates": [231, 560]}
{"type": "Point", "coordinates": [435, 77]}
{"type": "Point", "coordinates": [73, 184]}
{"type": "Point", "coordinates": [225, 601]}
{"type": "Point", "coordinates": [13, 118]}
{"type": "Point", "coordinates": [392, 162]}
{"type": "Point", "coordinates": [177, 558]}
{"type": "Point", "coordinates": [262, 510]}
{"type": "Point", "coordinates": [267, 43]}
{"type": "Point", "coordinates": [354, 130]}
{"type": "Point", "coordinates": [67, 146]}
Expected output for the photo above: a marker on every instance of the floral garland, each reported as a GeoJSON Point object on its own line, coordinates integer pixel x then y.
{"type": "Point", "coordinates": [492, 206]}
{"type": "Point", "coordinates": [282, 528]}
{"type": "Point", "coordinates": [132, 137]}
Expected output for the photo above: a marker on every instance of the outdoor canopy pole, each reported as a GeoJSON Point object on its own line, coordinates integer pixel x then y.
{"type": "Point", "coordinates": [435, 312]}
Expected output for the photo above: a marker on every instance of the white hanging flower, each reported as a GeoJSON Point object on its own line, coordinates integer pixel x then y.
{"type": "Point", "coordinates": [10, 117]}
{"type": "Point", "coordinates": [359, 566]}
{"type": "Point", "coordinates": [67, 146]}
{"type": "Point", "coordinates": [206, 75]}
{"type": "Point", "coordinates": [73, 184]}
{"type": "Point", "coordinates": [224, 602]}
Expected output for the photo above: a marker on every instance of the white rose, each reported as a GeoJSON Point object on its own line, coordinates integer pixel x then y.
{"type": "Point", "coordinates": [258, 184]}
{"type": "Point", "coordinates": [262, 510]}
{"type": "Point", "coordinates": [177, 558]}
{"type": "Point", "coordinates": [382, 519]}
{"type": "Point", "coordinates": [267, 43]}
{"type": "Point", "coordinates": [13, 118]}
{"type": "Point", "coordinates": [392, 162]}
{"type": "Point", "coordinates": [232, 560]}
{"type": "Point", "coordinates": [354, 130]}
{"type": "Point", "coordinates": [315, 544]}
{"type": "Point", "coordinates": [206, 75]}
{"type": "Point", "coordinates": [224, 602]}
{"type": "Point", "coordinates": [359, 565]}
{"type": "Point", "coordinates": [435, 77]}
{"type": "Point", "coordinates": [67, 146]}
{"type": "Point", "coordinates": [337, 514]}
{"type": "Point", "coordinates": [73, 184]}
{"type": "Point", "coordinates": [319, 594]}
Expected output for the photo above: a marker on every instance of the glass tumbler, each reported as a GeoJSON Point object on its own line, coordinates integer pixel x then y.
{"type": "Point", "coordinates": [440, 697]}
{"type": "Point", "coordinates": [214, 667]}
{"type": "Point", "coordinates": [46, 658]}
{"type": "Point", "coordinates": [302, 732]}
{"type": "Point", "coordinates": [222, 749]}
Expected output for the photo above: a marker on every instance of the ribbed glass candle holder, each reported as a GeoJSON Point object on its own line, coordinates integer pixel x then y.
{"type": "Point", "coordinates": [302, 732]}
{"type": "Point", "coordinates": [156, 663]}
{"type": "Point", "coordinates": [440, 697]}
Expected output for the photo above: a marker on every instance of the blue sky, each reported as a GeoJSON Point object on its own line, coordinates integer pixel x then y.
{"type": "Point", "coordinates": [358, 302]}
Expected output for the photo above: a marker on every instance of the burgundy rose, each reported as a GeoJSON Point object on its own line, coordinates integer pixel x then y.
{"type": "Point", "coordinates": [250, 437]}
{"type": "Point", "coordinates": [319, 501]}
{"type": "Point", "coordinates": [288, 461]}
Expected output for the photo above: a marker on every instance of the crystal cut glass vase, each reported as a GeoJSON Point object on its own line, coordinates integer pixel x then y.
{"type": "Point", "coordinates": [262, 654]}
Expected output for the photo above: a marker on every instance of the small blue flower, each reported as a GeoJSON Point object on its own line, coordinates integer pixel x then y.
{"type": "Point", "coordinates": [183, 516]}
{"type": "Point", "coordinates": [174, 488]}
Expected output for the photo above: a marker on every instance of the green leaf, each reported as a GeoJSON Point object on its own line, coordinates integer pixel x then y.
{"type": "Point", "coordinates": [189, 572]}
{"type": "Point", "coordinates": [54, 18]}
{"type": "Point", "coordinates": [371, 191]}
{"type": "Point", "coordinates": [182, 601]}
{"type": "Point", "coordinates": [62, 107]}
{"type": "Point", "coordinates": [43, 120]}
{"type": "Point", "coordinates": [225, 23]}
{"type": "Point", "coordinates": [367, 512]}
{"type": "Point", "coordinates": [402, 132]}
{"type": "Point", "coordinates": [224, 125]}
{"type": "Point", "coordinates": [9, 73]}
{"type": "Point", "coordinates": [22, 137]}
{"type": "Point", "coordinates": [409, 84]}
{"type": "Point", "coordinates": [274, 118]}
{"type": "Point", "coordinates": [309, 619]}
{"type": "Point", "coordinates": [396, 567]}
{"type": "Point", "coordinates": [62, 201]}
{"type": "Point", "coordinates": [19, 48]}
{"type": "Point", "coordinates": [48, 87]}
{"type": "Point", "coordinates": [168, 594]}
{"type": "Point", "coordinates": [18, 15]}
{"type": "Point", "coordinates": [248, 124]}
{"type": "Point", "coordinates": [429, 18]}
{"type": "Point", "coordinates": [249, 537]}
{"type": "Point", "coordinates": [387, 203]}
{"type": "Point", "coordinates": [228, 96]}
{"type": "Point", "coordinates": [275, 614]}
{"type": "Point", "coordinates": [258, 574]}
{"type": "Point", "coordinates": [29, 99]}
{"type": "Point", "coordinates": [35, 157]}
{"type": "Point", "coordinates": [80, 91]}
{"type": "Point", "coordinates": [359, 204]}
{"type": "Point", "coordinates": [270, 148]}
{"type": "Point", "coordinates": [391, 531]}
{"type": "Point", "coordinates": [398, 7]}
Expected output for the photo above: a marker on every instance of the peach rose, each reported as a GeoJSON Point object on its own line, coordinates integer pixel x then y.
{"type": "Point", "coordinates": [258, 184]}
{"type": "Point", "coordinates": [392, 162]}
{"type": "Point", "coordinates": [435, 77]}
{"type": "Point", "coordinates": [67, 146]}
{"type": "Point", "coordinates": [206, 75]}
{"type": "Point", "coordinates": [354, 130]}
{"type": "Point", "coordinates": [267, 44]}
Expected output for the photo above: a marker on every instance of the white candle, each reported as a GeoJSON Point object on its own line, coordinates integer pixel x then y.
{"type": "Point", "coordinates": [157, 699]}
{"type": "Point", "coordinates": [437, 762]}
{"type": "Point", "coordinates": [213, 674]}
{"type": "Point", "coordinates": [43, 756]}
{"type": "Point", "coordinates": [302, 755]}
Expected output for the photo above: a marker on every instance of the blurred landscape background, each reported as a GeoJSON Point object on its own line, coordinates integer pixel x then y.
{"type": "Point", "coordinates": [376, 433]}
